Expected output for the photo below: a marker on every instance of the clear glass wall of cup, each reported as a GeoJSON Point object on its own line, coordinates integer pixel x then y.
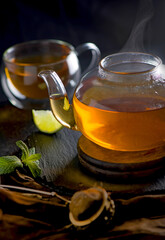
{"type": "Point", "coordinates": [123, 101]}
{"type": "Point", "coordinates": [21, 83]}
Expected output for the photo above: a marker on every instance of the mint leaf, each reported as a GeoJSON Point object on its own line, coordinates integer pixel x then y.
{"type": "Point", "coordinates": [34, 168]}
{"type": "Point", "coordinates": [29, 158]}
{"type": "Point", "coordinates": [24, 148]}
{"type": "Point", "coordinates": [32, 151]}
{"type": "Point", "coordinates": [33, 164]}
{"type": "Point", "coordinates": [33, 157]}
{"type": "Point", "coordinates": [9, 163]}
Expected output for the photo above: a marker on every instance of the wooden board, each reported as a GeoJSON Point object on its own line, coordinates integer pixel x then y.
{"type": "Point", "coordinates": [120, 164]}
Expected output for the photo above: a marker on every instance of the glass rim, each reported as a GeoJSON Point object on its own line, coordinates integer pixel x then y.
{"type": "Point", "coordinates": [42, 41]}
{"type": "Point", "coordinates": [159, 62]}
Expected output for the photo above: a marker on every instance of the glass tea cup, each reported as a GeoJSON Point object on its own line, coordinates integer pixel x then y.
{"type": "Point", "coordinates": [21, 83]}
{"type": "Point", "coordinates": [119, 105]}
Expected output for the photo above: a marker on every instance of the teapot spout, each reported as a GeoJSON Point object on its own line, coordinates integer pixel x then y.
{"type": "Point", "coordinates": [53, 82]}
{"type": "Point", "coordinates": [59, 102]}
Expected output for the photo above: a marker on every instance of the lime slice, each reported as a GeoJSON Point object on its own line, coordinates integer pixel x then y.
{"type": "Point", "coordinates": [45, 121]}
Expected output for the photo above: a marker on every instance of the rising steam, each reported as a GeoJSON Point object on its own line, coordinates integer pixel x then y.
{"type": "Point", "coordinates": [135, 41]}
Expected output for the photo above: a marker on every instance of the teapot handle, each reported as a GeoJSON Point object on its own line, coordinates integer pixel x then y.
{"type": "Point", "coordinates": [96, 54]}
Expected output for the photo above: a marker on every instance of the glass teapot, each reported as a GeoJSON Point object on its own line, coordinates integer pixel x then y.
{"type": "Point", "coordinates": [119, 105]}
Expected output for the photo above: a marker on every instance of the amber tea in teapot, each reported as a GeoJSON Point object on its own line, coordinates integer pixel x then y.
{"type": "Point", "coordinates": [120, 105]}
{"type": "Point", "coordinates": [122, 123]}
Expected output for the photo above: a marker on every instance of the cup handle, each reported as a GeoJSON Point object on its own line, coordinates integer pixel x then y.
{"type": "Point", "coordinates": [96, 54]}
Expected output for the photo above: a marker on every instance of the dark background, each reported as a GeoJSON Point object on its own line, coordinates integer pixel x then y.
{"type": "Point", "coordinates": [110, 24]}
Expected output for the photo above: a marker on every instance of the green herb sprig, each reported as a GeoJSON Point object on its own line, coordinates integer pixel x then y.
{"type": "Point", "coordinates": [28, 158]}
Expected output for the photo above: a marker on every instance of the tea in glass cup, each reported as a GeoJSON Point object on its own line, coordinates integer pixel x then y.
{"type": "Point", "coordinates": [23, 62]}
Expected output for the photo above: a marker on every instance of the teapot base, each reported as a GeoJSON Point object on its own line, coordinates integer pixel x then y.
{"type": "Point", "coordinates": [119, 165]}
